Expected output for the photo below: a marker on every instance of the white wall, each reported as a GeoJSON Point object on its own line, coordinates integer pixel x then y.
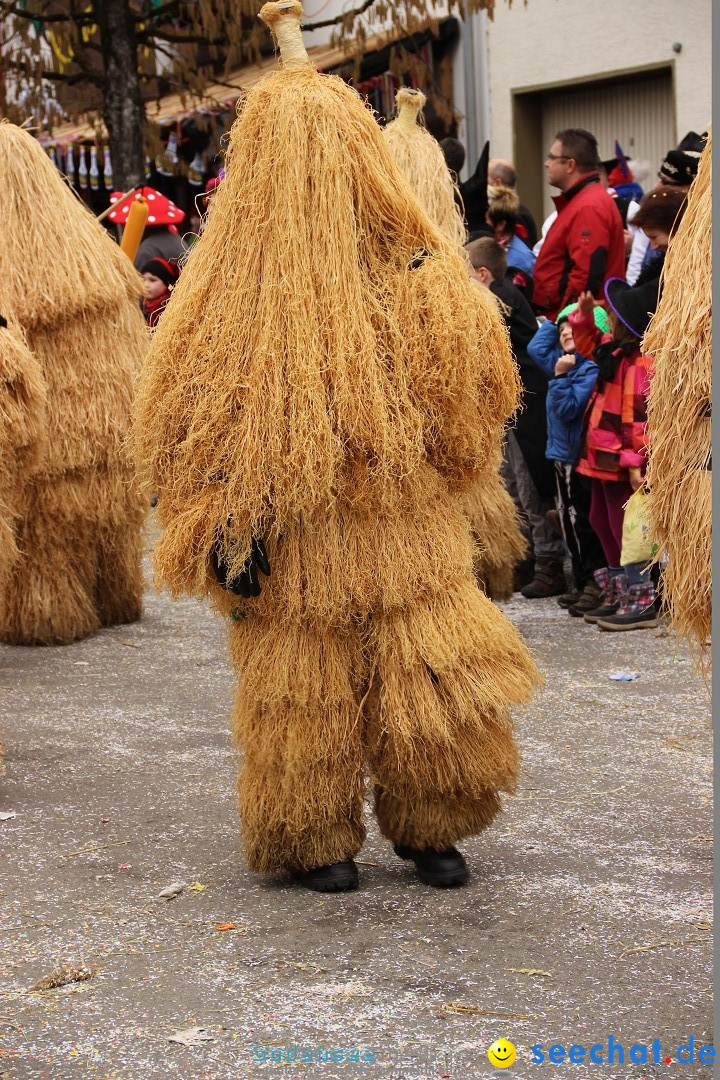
{"type": "Point", "coordinates": [545, 42]}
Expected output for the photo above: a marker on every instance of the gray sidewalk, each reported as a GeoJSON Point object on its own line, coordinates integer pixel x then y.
{"type": "Point", "coordinates": [588, 914]}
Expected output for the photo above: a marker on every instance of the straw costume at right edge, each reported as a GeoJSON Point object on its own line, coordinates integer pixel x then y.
{"type": "Point", "coordinates": [335, 397]}
{"type": "Point", "coordinates": [679, 417]}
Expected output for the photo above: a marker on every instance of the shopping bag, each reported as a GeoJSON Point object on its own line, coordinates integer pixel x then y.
{"type": "Point", "coordinates": [637, 543]}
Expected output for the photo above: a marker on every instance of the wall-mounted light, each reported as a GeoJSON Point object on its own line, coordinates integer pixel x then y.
{"type": "Point", "coordinates": [677, 47]}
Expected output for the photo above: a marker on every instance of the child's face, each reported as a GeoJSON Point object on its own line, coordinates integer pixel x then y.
{"type": "Point", "coordinates": [658, 238]}
{"type": "Point", "coordinates": [565, 336]}
{"type": "Point", "coordinates": [154, 286]}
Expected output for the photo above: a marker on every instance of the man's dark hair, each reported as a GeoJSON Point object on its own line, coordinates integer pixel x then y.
{"type": "Point", "coordinates": [487, 253]}
{"type": "Point", "coordinates": [454, 152]}
{"type": "Point", "coordinates": [582, 146]}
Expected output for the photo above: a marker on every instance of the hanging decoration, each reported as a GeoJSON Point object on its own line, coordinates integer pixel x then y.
{"type": "Point", "coordinates": [196, 170]}
{"type": "Point", "coordinates": [107, 170]}
{"type": "Point", "coordinates": [94, 170]}
{"type": "Point", "coordinates": [82, 168]}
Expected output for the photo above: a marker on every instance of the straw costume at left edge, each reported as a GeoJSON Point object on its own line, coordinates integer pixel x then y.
{"type": "Point", "coordinates": [334, 399]}
{"type": "Point", "coordinates": [74, 297]}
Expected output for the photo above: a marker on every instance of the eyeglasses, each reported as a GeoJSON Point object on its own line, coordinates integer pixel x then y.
{"type": "Point", "coordinates": [558, 157]}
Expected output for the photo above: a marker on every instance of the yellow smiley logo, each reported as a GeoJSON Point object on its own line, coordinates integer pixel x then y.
{"type": "Point", "coordinates": [501, 1054]}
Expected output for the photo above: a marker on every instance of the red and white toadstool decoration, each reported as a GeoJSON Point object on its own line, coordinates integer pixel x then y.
{"type": "Point", "coordinates": [161, 211]}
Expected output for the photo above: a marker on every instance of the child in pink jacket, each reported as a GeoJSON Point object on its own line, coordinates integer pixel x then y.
{"type": "Point", "coordinates": [614, 444]}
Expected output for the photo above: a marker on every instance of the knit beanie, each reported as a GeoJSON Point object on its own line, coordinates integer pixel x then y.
{"type": "Point", "coordinates": [165, 269]}
{"type": "Point", "coordinates": [599, 314]}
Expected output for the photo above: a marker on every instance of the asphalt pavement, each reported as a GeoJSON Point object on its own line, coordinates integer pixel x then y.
{"type": "Point", "coordinates": [588, 916]}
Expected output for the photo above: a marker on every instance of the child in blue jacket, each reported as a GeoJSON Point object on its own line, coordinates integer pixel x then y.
{"type": "Point", "coordinates": [572, 381]}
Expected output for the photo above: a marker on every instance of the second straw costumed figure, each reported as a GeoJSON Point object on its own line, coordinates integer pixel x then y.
{"type": "Point", "coordinates": [492, 513]}
{"type": "Point", "coordinates": [71, 297]}
{"type": "Point", "coordinates": [327, 380]}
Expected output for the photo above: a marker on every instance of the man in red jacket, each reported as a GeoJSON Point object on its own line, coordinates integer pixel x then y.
{"type": "Point", "coordinates": [585, 245]}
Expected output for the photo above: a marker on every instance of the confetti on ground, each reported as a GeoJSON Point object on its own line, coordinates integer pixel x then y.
{"type": "Point", "coordinates": [624, 676]}
{"type": "Point", "coordinates": [7, 815]}
{"type": "Point", "coordinates": [197, 887]}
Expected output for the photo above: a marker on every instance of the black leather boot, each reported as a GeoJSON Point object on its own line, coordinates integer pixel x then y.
{"type": "Point", "coordinates": [337, 877]}
{"type": "Point", "coordinates": [443, 869]}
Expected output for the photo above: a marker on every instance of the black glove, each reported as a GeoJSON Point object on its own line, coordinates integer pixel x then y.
{"type": "Point", "coordinates": [246, 583]}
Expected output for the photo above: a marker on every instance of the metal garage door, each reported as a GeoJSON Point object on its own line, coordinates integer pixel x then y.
{"type": "Point", "coordinates": [639, 112]}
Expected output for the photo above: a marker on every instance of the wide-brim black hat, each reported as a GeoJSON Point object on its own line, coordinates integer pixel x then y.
{"type": "Point", "coordinates": [634, 305]}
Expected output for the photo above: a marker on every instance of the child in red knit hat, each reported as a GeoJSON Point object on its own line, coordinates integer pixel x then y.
{"type": "Point", "coordinates": [160, 277]}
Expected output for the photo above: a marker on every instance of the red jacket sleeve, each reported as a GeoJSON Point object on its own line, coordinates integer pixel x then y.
{"type": "Point", "coordinates": [588, 245]}
{"type": "Point", "coordinates": [585, 333]}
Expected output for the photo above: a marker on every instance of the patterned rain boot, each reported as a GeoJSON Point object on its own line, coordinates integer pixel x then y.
{"type": "Point", "coordinates": [612, 587]}
{"type": "Point", "coordinates": [636, 612]}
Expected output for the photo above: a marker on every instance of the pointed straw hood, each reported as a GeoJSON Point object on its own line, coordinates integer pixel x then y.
{"type": "Point", "coordinates": [423, 163]}
{"type": "Point", "coordinates": [679, 415]}
{"type": "Point", "coordinates": [55, 258]}
{"type": "Point", "coordinates": [324, 312]}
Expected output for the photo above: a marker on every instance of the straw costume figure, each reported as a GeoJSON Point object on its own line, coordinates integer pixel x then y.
{"type": "Point", "coordinates": [679, 415]}
{"type": "Point", "coordinates": [22, 428]}
{"type": "Point", "coordinates": [422, 161]}
{"type": "Point", "coordinates": [311, 429]}
{"type": "Point", "coordinates": [78, 515]}
{"type": "Point", "coordinates": [493, 516]}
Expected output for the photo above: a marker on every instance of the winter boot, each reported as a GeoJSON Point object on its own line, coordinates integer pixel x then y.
{"type": "Point", "coordinates": [549, 579]}
{"type": "Point", "coordinates": [636, 612]}
{"type": "Point", "coordinates": [337, 877]}
{"type": "Point", "coordinates": [589, 599]}
{"type": "Point", "coordinates": [612, 587]}
{"type": "Point", "coordinates": [569, 598]}
{"type": "Point", "coordinates": [523, 573]}
{"type": "Point", "coordinates": [440, 868]}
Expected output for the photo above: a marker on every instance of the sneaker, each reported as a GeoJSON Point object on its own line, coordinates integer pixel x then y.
{"type": "Point", "coordinates": [337, 877]}
{"type": "Point", "coordinates": [549, 580]}
{"type": "Point", "coordinates": [636, 612]}
{"type": "Point", "coordinates": [569, 598]}
{"type": "Point", "coordinates": [590, 598]}
{"type": "Point", "coordinates": [443, 869]}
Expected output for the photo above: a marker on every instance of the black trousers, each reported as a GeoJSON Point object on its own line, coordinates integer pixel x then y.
{"type": "Point", "coordinates": [572, 499]}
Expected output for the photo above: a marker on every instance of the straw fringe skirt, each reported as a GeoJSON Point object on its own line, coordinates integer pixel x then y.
{"type": "Point", "coordinates": [414, 692]}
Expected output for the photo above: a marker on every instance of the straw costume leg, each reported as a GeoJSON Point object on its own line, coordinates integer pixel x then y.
{"type": "Point", "coordinates": [298, 720]}
{"type": "Point", "coordinates": [119, 585]}
{"type": "Point", "coordinates": [49, 599]}
{"type": "Point", "coordinates": [440, 740]}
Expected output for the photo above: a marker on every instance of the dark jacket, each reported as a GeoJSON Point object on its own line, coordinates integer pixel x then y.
{"type": "Point", "coordinates": [530, 423]}
{"type": "Point", "coordinates": [567, 395]}
{"type": "Point", "coordinates": [584, 247]}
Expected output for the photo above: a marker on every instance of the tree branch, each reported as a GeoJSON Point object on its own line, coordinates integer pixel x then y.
{"type": "Point", "coordinates": [147, 37]}
{"type": "Point", "coordinates": [349, 15]}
